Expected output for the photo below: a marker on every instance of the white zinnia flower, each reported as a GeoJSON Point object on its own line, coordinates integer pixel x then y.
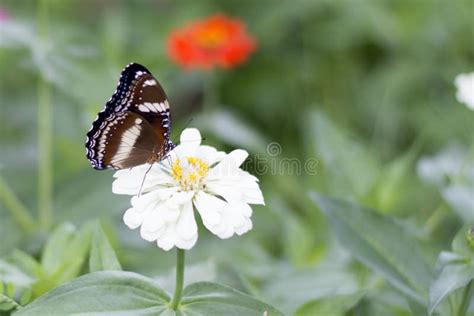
{"type": "Point", "coordinates": [193, 176]}
{"type": "Point", "coordinates": [465, 86]}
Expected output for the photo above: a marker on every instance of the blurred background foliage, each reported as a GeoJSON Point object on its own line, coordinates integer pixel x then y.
{"type": "Point", "coordinates": [365, 87]}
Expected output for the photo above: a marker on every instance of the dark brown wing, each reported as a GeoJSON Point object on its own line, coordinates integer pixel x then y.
{"type": "Point", "coordinates": [138, 96]}
{"type": "Point", "coordinates": [150, 101]}
{"type": "Point", "coordinates": [127, 141]}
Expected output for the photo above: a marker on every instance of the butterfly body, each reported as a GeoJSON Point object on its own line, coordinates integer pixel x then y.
{"type": "Point", "coordinates": [134, 126]}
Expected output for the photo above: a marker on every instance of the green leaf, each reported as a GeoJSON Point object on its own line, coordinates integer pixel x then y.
{"type": "Point", "coordinates": [349, 164]}
{"type": "Point", "coordinates": [102, 256]}
{"type": "Point", "coordinates": [380, 243]}
{"type": "Point", "coordinates": [7, 302]}
{"type": "Point", "coordinates": [63, 256]}
{"type": "Point", "coordinates": [391, 184]}
{"type": "Point", "coordinates": [300, 244]}
{"type": "Point", "coordinates": [26, 263]}
{"type": "Point", "coordinates": [335, 306]}
{"type": "Point", "coordinates": [451, 278]}
{"type": "Point", "coordinates": [456, 270]}
{"type": "Point", "coordinates": [10, 289]}
{"type": "Point", "coordinates": [26, 297]}
{"type": "Point", "coordinates": [211, 299]}
{"type": "Point", "coordinates": [108, 292]}
{"type": "Point", "coordinates": [57, 246]}
{"type": "Point", "coordinates": [290, 288]}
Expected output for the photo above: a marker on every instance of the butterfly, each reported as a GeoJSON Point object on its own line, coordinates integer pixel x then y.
{"type": "Point", "coordinates": [134, 127]}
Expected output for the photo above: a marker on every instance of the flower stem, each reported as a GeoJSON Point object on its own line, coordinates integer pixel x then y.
{"type": "Point", "coordinates": [179, 279]}
{"type": "Point", "coordinates": [17, 210]}
{"type": "Point", "coordinates": [45, 170]}
{"type": "Point", "coordinates": [466, 299]}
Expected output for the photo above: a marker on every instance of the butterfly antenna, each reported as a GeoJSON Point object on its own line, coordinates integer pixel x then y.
{"type": "Point", "coordinates": [143, 180]}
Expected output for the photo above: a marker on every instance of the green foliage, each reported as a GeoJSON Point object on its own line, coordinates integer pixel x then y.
{"type": "Point", "coordinates": [381, 244]}
{"type": "Point", "coordinates": [110, 292]}
{"type": "Point", "coordinates": [62, 259]}
{"type": "Point", "coordinates": [102, 256]}
{"type": "Point", "coordinates": [206, 298]}
{"type": "Point", "coordinates": [116, 293]}
{"type": "Point", "coordinates": [63, 256]}
{"type": "Point", "coordinates": [455, 271]}
{"type": "Point", "coordinates": [336, 306]}
{"type": "Point", "coordinates": [8, 296]}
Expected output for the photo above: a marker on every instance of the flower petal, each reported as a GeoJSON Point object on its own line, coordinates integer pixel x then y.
{"type": "Point", "coordinates": [167, 240]}
{"type": "Point", "coordinates": [230, 186]}
{"type": "Point", "coordinates": [189, 142]}
{"type": "Point", "coordinates": [238, 156]}
{"type": "Point", "coordinates": [150, 200]}
{"type": "Point", "coordinates": [209, 154]}
{"type": "Point", "coordinates": [210, 209]}
{"type": "Point", "coordinates": [129, 181]}
{"type": "Point", "coordinates": [133, 219]}
{"type": "Point", "coordinates": [151, 226]}
{"type": "Point", "coordinates": [244, 228]}
{"type": "Point", "coordinates": [187, 243]}
{"type": "Point", "coordinates": [228, 192]}
{"type": "Point", "coordinates": [186, 226]}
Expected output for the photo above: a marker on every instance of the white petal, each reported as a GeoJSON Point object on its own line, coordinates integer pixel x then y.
{"type": "Point", "coordinates": [174, 203]}
{"type": "Point", "coordinates": [129, 181]}
{"type": "Point", "coordinates": [189, 141]}
{"type": "Point", "coordinates": [210, 209]}
{"type": "Point", "coordinates": [238, 156]}
{"type": "Point", "coordinates": [209, 154]}
{"type": "Point", "coordinates": [244, 228]}
{"type": "Point", "coordinates": [226, 168]}
{"type": "Point", "coordinates": [151, 226]}
{"type": "Point", "coordinates": [187, 243]}
{"type": "Point", "coordinates": [236, 216]}
{"type": "Point", "coordinates": [232, 187]}
{"type": "Point", "coordinates": [228, 192]}
{"type": "Point", "coordinates": [151, 200]}
{"type": "Point", "coordinates": [169, 213]}
{"type": "Point", "coordinates": [132, 219]}
{"type": "Point", "coordinates": [168, 239]}
{"type": "Point", "coordinates": [186, 226]}
{"type": "Point", "coordinates": [181, 233]}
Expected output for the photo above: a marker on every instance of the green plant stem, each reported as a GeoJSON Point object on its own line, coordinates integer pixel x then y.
{"type": "Point", "coordinates": [179, 279]}
{"type": "Point", "coordinates": [466, 299]}
{"type": "Point", "coordinates": [17, 210]}
{"type": "Point", "coordinates": [45, 170]}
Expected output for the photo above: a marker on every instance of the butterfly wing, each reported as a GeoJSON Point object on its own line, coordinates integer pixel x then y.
{"type": "Point", "coordinates": [128, 139]}
{"type": "Point", "coordinates": [149, 100]}
{"type": "Point", "coordinates": [134, 126]}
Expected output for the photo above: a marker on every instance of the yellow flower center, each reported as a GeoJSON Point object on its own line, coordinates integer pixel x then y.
{"type": "Point", "coordinates": [190, 173]}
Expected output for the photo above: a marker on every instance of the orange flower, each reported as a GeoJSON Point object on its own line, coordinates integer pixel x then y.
{"type": "Point", "coordinates": [216, 41]}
